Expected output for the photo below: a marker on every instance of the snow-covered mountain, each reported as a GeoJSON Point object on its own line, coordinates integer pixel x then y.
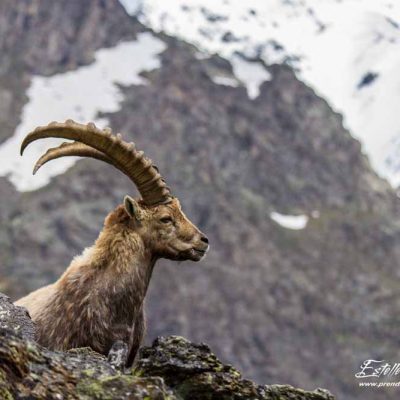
{"type": "Point", "coordinates": [347, 50]}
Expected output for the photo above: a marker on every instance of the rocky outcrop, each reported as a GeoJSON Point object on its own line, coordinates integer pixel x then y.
{"type": "Point", "coordinates": [172, 368]}
{"type": "Point", "coordinates": [15, 319]}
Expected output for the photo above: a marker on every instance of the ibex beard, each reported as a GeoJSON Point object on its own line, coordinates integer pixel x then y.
{"type": "Point", "coordinates": [100, 297]}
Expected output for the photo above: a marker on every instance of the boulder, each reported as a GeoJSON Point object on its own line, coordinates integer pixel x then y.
{"type": "Point", "coordinates": [172, 368]}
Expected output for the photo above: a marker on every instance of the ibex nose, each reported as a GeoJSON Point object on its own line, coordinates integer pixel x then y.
{"type": "Point", "coordinates": [204, 239]}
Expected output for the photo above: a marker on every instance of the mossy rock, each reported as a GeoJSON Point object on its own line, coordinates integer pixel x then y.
{"type": "Point", "coordinates": [172, 368]}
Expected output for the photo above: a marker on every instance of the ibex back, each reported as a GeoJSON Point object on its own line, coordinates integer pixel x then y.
{"type": "Point", "coordinates": [100, 297]}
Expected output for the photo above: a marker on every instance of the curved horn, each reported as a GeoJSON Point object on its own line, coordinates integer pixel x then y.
{"type": "Point", "coordinates": [75, 149]}
{"type": "Point", "coordinates": [110, 148]}
{"type": "Point", "coordinates": [71, 149]}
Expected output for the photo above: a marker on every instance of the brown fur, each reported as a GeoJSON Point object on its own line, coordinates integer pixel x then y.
{"type": "Point", "coordinates": [100, 297]}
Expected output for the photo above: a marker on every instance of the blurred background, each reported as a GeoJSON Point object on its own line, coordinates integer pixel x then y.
{"type": "Point", "coordinates": [276, 124]}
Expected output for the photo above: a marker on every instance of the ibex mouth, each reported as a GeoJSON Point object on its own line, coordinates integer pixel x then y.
{"type": "Point", "coordinates": [199, 253]}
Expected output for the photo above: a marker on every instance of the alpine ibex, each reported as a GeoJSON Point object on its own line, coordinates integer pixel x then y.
{"type": "Point", "coordinates": [99, 298]}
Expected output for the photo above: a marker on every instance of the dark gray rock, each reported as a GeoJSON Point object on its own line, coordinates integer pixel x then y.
{"type": "Point", "coordinates": [195, 373]}
{"type": "Point", "coordinates": [15, 319]}
{"type": "Point", "coordinates": [118, 355]}
{"type": "Point", "coordinates": [172, 368]}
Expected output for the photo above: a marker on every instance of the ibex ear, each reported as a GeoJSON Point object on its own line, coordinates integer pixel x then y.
{"type": "Point", "coordinates": [132, 208]}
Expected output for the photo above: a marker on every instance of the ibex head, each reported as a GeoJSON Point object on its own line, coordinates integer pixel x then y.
{"type": "Point", "coordinates": [157, 217]}
{"type": "Point", "coordinates": [166, 230]}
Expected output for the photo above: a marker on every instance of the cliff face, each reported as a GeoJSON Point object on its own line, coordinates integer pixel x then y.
{"type": "Point", "coordinates": [319, 300]}
{"type": "Point", "coordinates": [47, 37]}
{"type": "Point", "coordinates": [172, 368]}
{"type": "Point", "coordinates": [39, 33]}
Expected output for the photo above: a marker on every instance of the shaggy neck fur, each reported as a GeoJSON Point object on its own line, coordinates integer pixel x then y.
{"type": "Point", "coordinates": [101, 291]}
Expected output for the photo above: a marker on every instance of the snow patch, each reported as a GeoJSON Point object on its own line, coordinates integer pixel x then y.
{"type": "Point", "coordinates": [79, 95]}
{"type": "Point", "coordinates": [225, 81]}
{"type": "Point", "coordinates": [295, 222]}
{"type": "Point", "coordinates": [132, 7]}
{"type": "Point", "coordinates": [251, 73]}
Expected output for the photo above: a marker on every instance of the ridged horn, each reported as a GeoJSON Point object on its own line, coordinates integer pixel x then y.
{"type": "Point", "coordinates": [70, 149]}
{"type": "Point", "coordinates": [104, 146]}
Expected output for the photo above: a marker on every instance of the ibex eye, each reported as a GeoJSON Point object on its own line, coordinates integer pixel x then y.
{"type": "Point", "coordinates": [166, 220]}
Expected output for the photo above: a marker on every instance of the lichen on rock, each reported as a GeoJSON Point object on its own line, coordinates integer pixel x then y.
{"type": "Point", "coordinates": [172, 368]}
{"type": "Point", "coordinates": [194, 372]}
{"type": "Point", "coordinates": [15, 318]}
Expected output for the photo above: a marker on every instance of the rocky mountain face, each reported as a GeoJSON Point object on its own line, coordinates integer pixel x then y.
{"type": "Point", "coordinates": [47, 37]}
{"type": "Point", "coordinates": [172, 368]}
{"type": "Point", "coordinates": [300, 307]}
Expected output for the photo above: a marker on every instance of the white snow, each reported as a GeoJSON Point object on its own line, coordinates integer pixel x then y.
{"type": "Point", "coordinates": [225, 81]}
{"type": "Point", "coordinates": [78, 95]}
{"type": "Point", "coordinates": [252, 74]}
{"type": "Point", "coordinates": [332, 44]}
{"type": "Point", "coordinates": [295, 222]}
{"type": "Point", "coordinates": [133, 7]}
